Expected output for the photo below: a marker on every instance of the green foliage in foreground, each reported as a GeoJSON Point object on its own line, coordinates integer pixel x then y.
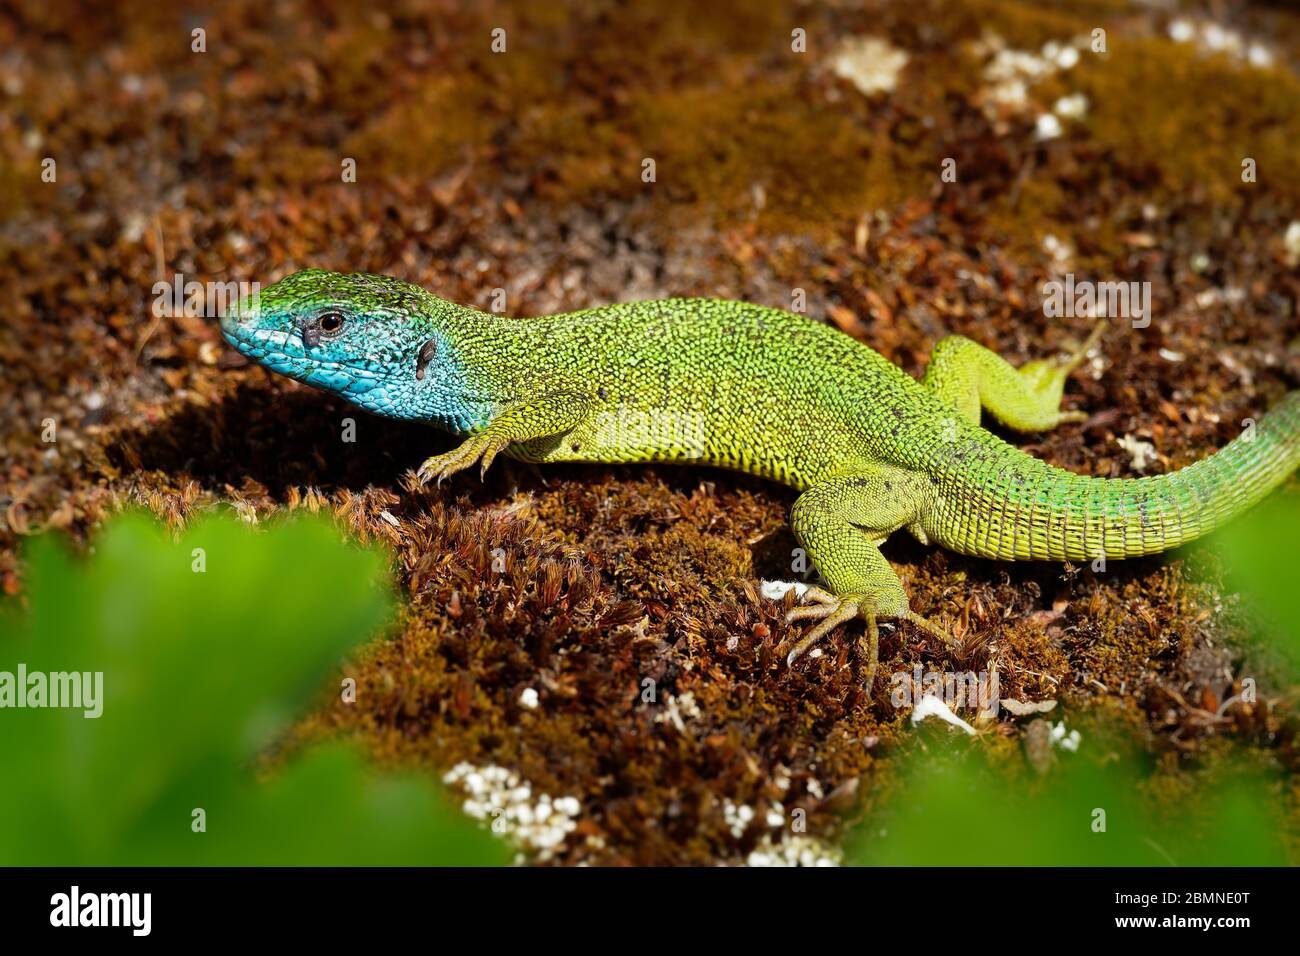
{"type": "Point", "coordinates": [957, 810]}
{"type": "Point", "coordinates": [201, 669]}
{"type": "Point", "coordinates": [1259, 552]}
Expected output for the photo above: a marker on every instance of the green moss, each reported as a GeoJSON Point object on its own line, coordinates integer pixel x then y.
{"type": "Point", "coordinates": [16, 183]}
{"type": "Point", "coordinates": [441, 124]}
{"type": "Point", "coordinates": [1196, 119]}
{"type": "Point", "coordinates": [716, 146]}
{"type": "Point", "coordinates": [1027, 26]}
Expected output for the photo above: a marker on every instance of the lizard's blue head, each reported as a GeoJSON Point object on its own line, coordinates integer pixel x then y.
{"type": "Point", "coordinates": [381, 343]}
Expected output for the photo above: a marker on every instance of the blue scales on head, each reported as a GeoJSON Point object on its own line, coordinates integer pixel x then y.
{"type": "Point", "coordinates": [383, 344]}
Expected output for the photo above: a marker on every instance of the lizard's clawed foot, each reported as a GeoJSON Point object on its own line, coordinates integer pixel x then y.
{"type": "Point", "coordinates": [831, 611]}
{"type": "Point", "coordinates": [461, 457]}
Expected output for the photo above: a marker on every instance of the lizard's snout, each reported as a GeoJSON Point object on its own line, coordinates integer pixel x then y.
{"type": "Point", "coordinates": [235, 319]}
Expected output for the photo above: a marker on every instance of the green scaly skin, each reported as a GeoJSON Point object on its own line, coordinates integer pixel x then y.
{"type": "Point", "coordinates": [766, 392]}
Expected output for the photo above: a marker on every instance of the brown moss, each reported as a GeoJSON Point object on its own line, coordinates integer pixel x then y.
{"type": "Point", "coordinates": [583, 583]}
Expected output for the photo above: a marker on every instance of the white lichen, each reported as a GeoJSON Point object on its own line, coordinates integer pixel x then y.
{"type": "Point", "coordinates": [1011, 73]}
{"type": "Point", "coordinates": [794, 849]}
{"type": "Point", "coordinates": [1211, 37]}
{"type": "Point", "coordinates": [1141, 453]}
{"type": "Point", "coordinates": [1059, 250]}
{"type": "Point", "coordinates": [1291, 243]}
{"type": "Point", "coordinates": [1065, 740]}
{"type": "Point", "coordinates": [872, 64]}
{"type": "Point", "coordinates": [1074, 106]}
{"type": "Point", "coordinates": [931, 706]}
{"type": "Point", "coordinates": [776, 590]}
{"type": "Point", "coordinates": [737, 817]}
{"type": "Point", "coordinates": [1047, 127]}
{"type": "Point", "coordinates": [536, 823]}
{"type": "Point", "coordinates": [676, 708]}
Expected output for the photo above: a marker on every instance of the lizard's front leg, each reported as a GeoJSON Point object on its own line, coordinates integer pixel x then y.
{"type": "Point", "coordinates": [841, 524]}
{"type": "Point", "coordinates": [523, 421]}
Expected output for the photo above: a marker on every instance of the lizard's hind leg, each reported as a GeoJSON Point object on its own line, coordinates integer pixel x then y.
{"type": "Point", "coordinates": [969, 377]}
{"type": "Point", "coordinates": [841, 524]}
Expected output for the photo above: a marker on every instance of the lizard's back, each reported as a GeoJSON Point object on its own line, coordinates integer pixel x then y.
{"type": "Point", "coordinates": [730, 384]}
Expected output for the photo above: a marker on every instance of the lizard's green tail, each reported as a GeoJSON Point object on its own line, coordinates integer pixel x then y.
{"type": "Point", "coordinates": [1036, 511]}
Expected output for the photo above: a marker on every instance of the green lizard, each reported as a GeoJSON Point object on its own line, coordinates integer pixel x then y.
{"type": "Point", "coordinates": [766, 392]}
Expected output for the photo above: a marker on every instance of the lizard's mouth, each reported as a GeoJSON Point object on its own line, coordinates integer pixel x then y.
{"type": "Point", "coordinates": [284, 353]}
{"type": "Point", "coordinates": [265, 346]}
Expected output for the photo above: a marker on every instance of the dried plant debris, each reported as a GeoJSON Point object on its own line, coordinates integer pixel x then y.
{"type": "Point", "coordinates": [599, 634]}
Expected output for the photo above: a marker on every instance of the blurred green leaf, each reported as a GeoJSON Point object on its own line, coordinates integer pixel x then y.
{"type": "Point", "coordinates": [201, 669]}
{"type": "Point", "coordinates": [958, 810]}
{"type": "Point", "coordinates": [1259, 551]}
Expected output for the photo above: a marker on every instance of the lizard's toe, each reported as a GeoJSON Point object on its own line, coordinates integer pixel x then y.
{"type": "Point", "coordinates": [447, 464]}
{"type": "Point", "coordinates": [431, 469]}
{"type": "Point", "coordinates": [830, 616]}
{"type": "Point", "coordinates": [929, 627]}
{"type": "Point", "coordinates": [1080, 355]}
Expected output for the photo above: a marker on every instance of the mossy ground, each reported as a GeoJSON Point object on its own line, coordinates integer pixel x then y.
{"type": "Point", "coordinates": [522, 170]}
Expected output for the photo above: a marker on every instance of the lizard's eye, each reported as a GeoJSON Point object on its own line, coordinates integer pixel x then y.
{"type": "Point", "coordinates": [331, 323]}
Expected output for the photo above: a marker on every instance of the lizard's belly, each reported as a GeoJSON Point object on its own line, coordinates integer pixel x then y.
{"type": "Point", "coordinates": [789, 449]}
